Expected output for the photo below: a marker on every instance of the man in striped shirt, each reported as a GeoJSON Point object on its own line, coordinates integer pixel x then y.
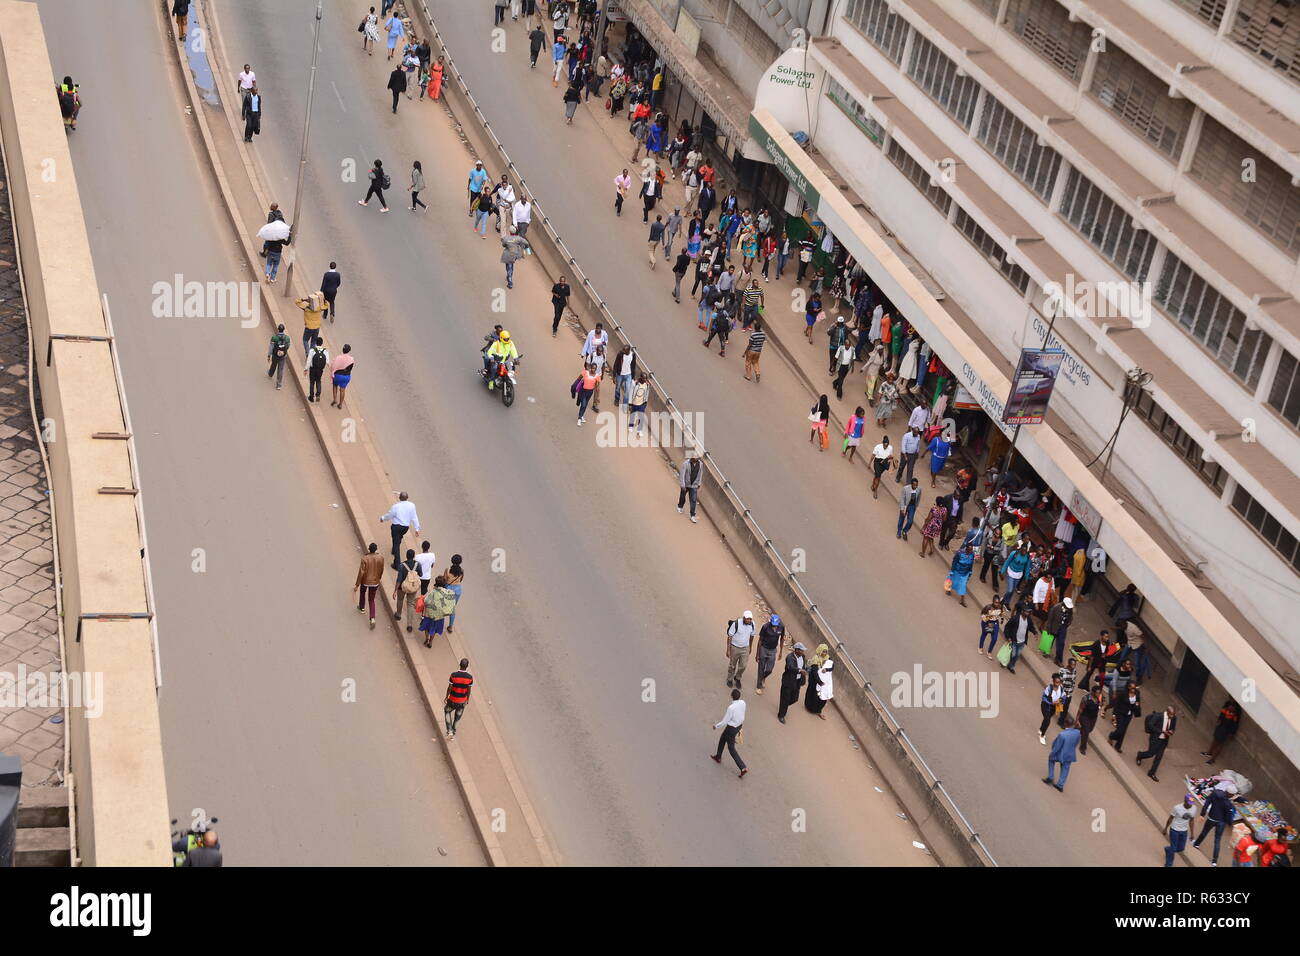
{"type": "Point", "coordinates": [752, 350]}
{"type": "Point", "coordinates": [751, 301]}
{"type": "Point", "coordinates": [458, 687]}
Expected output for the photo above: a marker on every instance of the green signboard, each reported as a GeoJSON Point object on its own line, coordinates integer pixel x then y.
{"type": "Point", "coordinates": [783, 162]}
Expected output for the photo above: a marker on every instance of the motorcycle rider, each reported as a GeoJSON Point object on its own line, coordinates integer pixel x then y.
{"type": "Point", "coordinates": [499, 351]}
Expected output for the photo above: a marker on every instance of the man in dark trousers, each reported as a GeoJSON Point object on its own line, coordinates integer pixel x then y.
{"type": "Point", "coordinates": [252, 113]}
{"type": "Point", "coordinates": [397, 83]}
{"type": "Point", "coordinates": [730, 724]}
{"type": "Point", "coordinates": [1058, 625]}
{"type": "Point", "coordinates": [329, 287]}
{"type": "Point", "coordinates": [272, 215]}
{"type": "Point", "coordinates": [1101, 651]}
{"type": "Point", "coordinates": [560, 300]}
{"type": "Point", "coordinates": [278, 354]}
{"type": "Point", "coordinates": [770, 639]}
{"type": "Point", "coordinates": [318, 359]}
{"type": "Point", "coordinates": [536, 40]}
{"type": "Point", "coordinates": [458, 688]}
{"type": "Point", "coordinates": [792, 679]}
{"type": "Point", "coordinates": [1125, 706]}
{"type": "Point", "coordinates": [1159, 728]}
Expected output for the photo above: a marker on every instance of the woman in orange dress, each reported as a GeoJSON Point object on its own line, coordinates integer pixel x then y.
{"type": "Point", "coordinates": [435, 79]}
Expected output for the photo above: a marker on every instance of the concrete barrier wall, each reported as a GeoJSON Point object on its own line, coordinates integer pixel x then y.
{"type": "Point", "coordinates": [945, 831]}
{"type": "Point", "coordinates": [116, 758]}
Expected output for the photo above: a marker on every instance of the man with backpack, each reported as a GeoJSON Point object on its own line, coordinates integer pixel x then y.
{"type": "Point", "coordinates": [318, 359]}
{"type": "Point", "coordinates": [379, 181]}
{"type": "Point", "coordinates": [692, 471]}
{"type": "Point", "coordinates": [740, 645]}
{"type": "Point", "coordinates": [1160, 727]}
{"type": "Point", "coordinates": [407, 591]}
{"type": "Point", "coordinates": [276, 355]}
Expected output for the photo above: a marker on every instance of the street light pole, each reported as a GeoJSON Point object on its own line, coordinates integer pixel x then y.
{"type": "Point", "coordinates": [302, 156]}
{"type": "Point", "coordinates": [601, 24]}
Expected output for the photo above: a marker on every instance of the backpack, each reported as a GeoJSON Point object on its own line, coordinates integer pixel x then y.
{"type": "Point", "coordinates": [382, 178]}
{"type": "Point", "coordinates": [411, 583]}
{"type": "Point", "coordinates": [1154, 722]}
{"type": "Point", "coordinates": [317, 359]}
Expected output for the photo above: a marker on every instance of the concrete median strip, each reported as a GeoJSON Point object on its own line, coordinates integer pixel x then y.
{"type": "Point", "coordinates": [484, 770]}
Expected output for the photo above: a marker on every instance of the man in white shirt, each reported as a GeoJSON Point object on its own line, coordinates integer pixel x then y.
{"type": "Point", "coordinates": [247, 80]}
{"type": "Point", "coordinates": [731, 723]}
{"type": "Point", "coordinates": [727, 281]}
{"type": "Point", "coordinates": [597, 336]}
{"type": "Point", "coordinates": [522, 215]}
{"type": "Point", "coordinates": [740, 645]}
{"type": "Point", "coordinates": [843, 363]}
{"type": "Point", "coordinates": [911, 446]}
{"type": "Point", "coordinates": [919, 418]}
{"type": "Point", "coordinates": [424, 565]}
{"type": "Point", "coordinates": [403, 516]}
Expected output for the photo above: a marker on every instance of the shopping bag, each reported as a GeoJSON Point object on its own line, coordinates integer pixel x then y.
{"type": "Point", "coordinates": [1045, 642]}
{"type": "Point", "coordinates": [419, 604]}
{"type": "Point", "coordinates": [947, 584]}
{"type": "Point", "coordinates": [826, 439]}
{"type": "Point", "coordinates": [1004, 653]}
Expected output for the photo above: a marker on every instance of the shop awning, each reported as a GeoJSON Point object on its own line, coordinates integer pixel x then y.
{"type": "Point", "coordinates": [725, 102]}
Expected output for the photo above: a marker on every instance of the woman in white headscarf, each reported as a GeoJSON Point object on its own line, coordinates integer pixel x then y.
{"type": "Point", "coordinates": [820, 688]}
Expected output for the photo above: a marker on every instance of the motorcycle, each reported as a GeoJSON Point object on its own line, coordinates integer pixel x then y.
{"type": "Point", "coordinates": [185, 840]}
{"type": "Point", "coordinates": [503, 378]}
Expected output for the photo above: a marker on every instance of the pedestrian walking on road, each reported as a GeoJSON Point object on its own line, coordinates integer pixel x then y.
{"type": "Point", "coordinates": [1124, 707]}
{"type": "Point", "coordinates": [329, 287]}
{"type": "Point", "coordinates": [586, 387]}
{"type": "Point", "coordinates": [655, 238]}
{"type": "Point", "coordinates": [1017, 633]}
{"type": "Point", "coordinates": [885, 399]}
{"type": "Point", "coordinates": [397, 84]}
{"type": "Point", "coordinates": [1159, 728]}
{"type": "Point", "coordinates": [908, 498]}
{"type": "Point", "coordinates": [272, 248]}
{"type": "Point", "coordinates": [731, 723]}
{"type": "Point", "coordinates": [572, 97]}
{"type": "Point", "coordinates": [1062, 753]}
{"type": "Point", "coordinates": [650, 192]}
{"type": "Point", "coordinates": [559, 302]}
{"type": "Point", "coordinates": [395, 32]}
{"type": "Point", "coordinates": [1089, 710]}
{"type": "Point", "coordinates": [1057, 628]}
{"type": "Point", "coordinates": [369, 31]}
{"type": "Point", "coordinates": [521, 215]}
{"type": "Point", "coordinates": [689, 477]}
{"type": "Point", "coordinates": [486, 204]}
{"type": "Point", "coordinates": [251, 110]}
{"type": "Point", "coordinates": [882, 459]}
{"type": "Point", "coordinates": [478, 179]}
{"type": "Point", "coordinates": [273, 215]}
{"type": "Point", "coordinates": [740, 646]}
{"type": "Point", "coordinates": [636, 404]}
{"type": "Point", "coordinates": [455, 578]}
{"type": "Point", "coordinates": [181, 12]}
{"type": "Point", "coordinates": [1219, 814]}
{"type": "Point", "coordinates": [911, 447]}
{"type": "Point", "coordinates": [933, 525]}
{"type": "Point", "coordinates": [672, 225]}
{"type": "Point", "coordinates": [513, 248]}
{"type": "Point", "coordinates": [991, 617]}
{"type": "Point", "coordinates": [821, 688]}
{"type": "Point", "coordinates": [558, 52]}
{"type": "Point", "coordinates": [754, 351]}
{"type": "Point", "coordinates": [680, 268]}
{"type": "Point", "coordinates": [844, 364]}
{"type": "Point", "coordinates": [425, 561]}
{"type": "Point", "coordinates": [721, 327]}
{"type": "Point", "coordinates": [792, 679]}
{"type": "Point", "coordinates": [417, 184]}
{"type": "Point", "coordinates": [963, 562]}
{"type": "Point", "coordinates": [536, 40]}
{"type": "Point", "coordinates": [770, 639]}
{"type": "Point", "coordinates": [403, 517]}
{"type": "Point", "coordinates": [437, 72]}
{"type": "Point", "coordinates": [439, 603]}
{"type": "Point", "coordinates": [458, 687]}
{"type": "Point", "coordinates": [624, 371]}
{"type": "Point", "coordinates": [622, 183]}
{"type": "Point", "coordinates": [277, 355]}
{"type": "Point", "coordinates": [407, 591]}
{"type": "Point", "coordinates": [312, 307]}
{"type": "Point", "coordinates": [246, 81]}
{"type": "Point", "coordinates": [318, 359]}
{"type": "Point", "coordinates": [1178, 825]}
{"type": "Point", "coordinates": [818, 417]}
{"type": "Point", "coordinates": [369, 576]}
{"type": "Point", "coordinates": [379, 181]}
{"type": "Point", "coordinates": [341, 375]}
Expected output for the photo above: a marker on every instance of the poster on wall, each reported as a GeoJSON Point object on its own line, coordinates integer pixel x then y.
{"type": "Point", "coordinates": [1031, 386]}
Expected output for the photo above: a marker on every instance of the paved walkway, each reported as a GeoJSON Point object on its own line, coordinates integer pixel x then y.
{"type": "Point", "coordinates": [29, 636]}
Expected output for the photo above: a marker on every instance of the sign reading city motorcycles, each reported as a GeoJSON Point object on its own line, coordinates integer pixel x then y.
{"type": "Point", "coordinates": [1031, 386]}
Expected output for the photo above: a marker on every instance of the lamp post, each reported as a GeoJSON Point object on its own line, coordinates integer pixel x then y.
{"type": "Point", "coordinates": [302, 155]}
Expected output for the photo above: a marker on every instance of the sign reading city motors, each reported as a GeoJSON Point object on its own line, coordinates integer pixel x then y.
{"type": "Point", "coordinates": [782, 162]}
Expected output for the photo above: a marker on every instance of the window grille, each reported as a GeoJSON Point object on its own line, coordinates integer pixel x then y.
{"type": "Point", "coordinates": [1186, 447]}
{"type": "Point", "coordinates": [919, 177]}
{"type": "Point", "coordinates": [1105, 224]}
{"type": "Point", "coordinates": [1208, 317]}
{"type": "Point", "coordinates": [1211, 11]}
{"type": "Point", "coordinates": [1250, 184]}
{"type": "Point", "coordinates": [883, 27]}
{"type": "Point", "coordinates": [1271, 30]}
{"type": "Point", "coordinates": [1269, 528]}
{"type": "Point", "coordinates": [1045, 27]}
{"type": "Point", "coordinates": [937, 75]}
{"type": "Point", "coordinates": [990, 7]}
{"type": "Point", "coordinates": [996, 255]}
{"type": "Point", "coordinates": [1285, 393]}
{"type": "Point", "coordinates": [1141, 101]}
{"type": "Point", "coordinates": [1016, 146]}
{"type": "Point", "coordinates": [855, 111]}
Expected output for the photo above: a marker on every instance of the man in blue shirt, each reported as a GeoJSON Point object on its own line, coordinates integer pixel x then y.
{"type": "Point", "coordinates": [911, 448]}
{"type": "Point", "coordinates": [1063, 753]}
{"type": "Point", "coordinates": [477, 179]}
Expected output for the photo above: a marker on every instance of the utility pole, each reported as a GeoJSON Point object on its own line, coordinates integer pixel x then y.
{"type": "Point", "coordinates": [302, 157]}
{"type": "Point", "coordinates": [601, 24]}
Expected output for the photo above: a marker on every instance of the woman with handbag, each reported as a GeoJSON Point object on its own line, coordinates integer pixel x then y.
{"type": "Point", "coordinates": [818, 416]}
{"type": "Point", "coordinates": [1050, 704]}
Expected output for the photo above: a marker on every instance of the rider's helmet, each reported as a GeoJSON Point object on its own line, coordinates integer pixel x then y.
{"type": "Point", "coordinates": [505, 337]}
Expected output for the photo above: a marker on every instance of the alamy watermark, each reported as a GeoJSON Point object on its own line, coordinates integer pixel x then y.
{"type": "Point", "coordinates": [946, 689]}
{"type": "Point", "coordinates": [25, 688]}
{"type": "Point", "coordinates": [1130, 302]}
{"type": "Point", "coordinates": [180, 299]}
{"type": "Point", "coordinates": [621, 429]}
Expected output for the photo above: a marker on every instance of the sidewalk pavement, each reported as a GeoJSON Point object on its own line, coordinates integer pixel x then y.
{"type": "Point", "coordinates": [29, 631]}
{"type": "Point", "coordinates": [786, 332]}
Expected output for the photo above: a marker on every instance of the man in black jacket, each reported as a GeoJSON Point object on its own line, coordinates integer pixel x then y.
{"type": "Point", "coordinates": [252, 112]}
{"type": "Point", "coordinates": [272, 215]}
{"type": "Point", "coordinates": [1159, 727]}
{"type": "Point", "coordinates": [792, 679]}
{"type": "Point", "coordinates": [329, 287]}
{"type": "Point", "coordinates": [770, 639]}
{"type": "Point", "coordinates": [397, 83]}
{"type": "Point", "coordinates": [1125, 706]}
